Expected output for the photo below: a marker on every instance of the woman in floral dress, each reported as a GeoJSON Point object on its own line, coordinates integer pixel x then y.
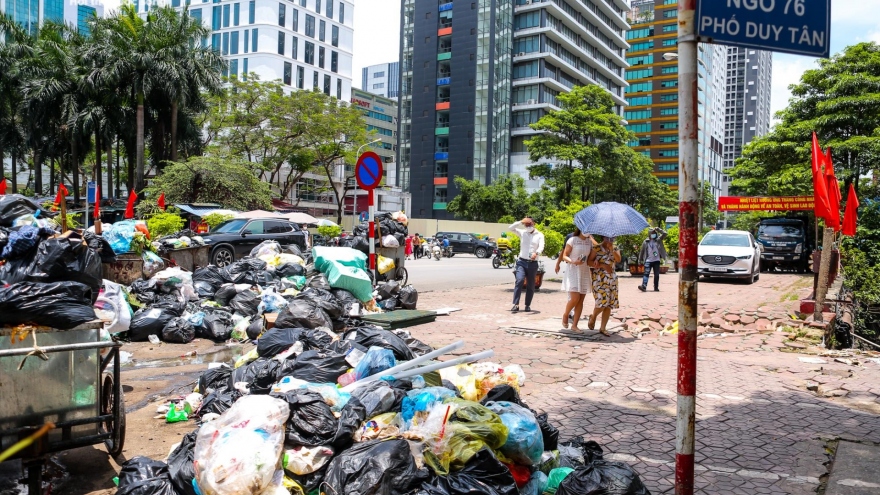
{"type": "Point", "coordinates": [602, 260]}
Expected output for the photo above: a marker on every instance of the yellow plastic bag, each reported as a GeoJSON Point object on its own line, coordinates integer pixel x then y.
{"type": "Point", "coordinates": [465, 380]}
{"type": "Point", "coordinates": [468, 429]}
{"type": "Point", "coordinates": [384, 264]}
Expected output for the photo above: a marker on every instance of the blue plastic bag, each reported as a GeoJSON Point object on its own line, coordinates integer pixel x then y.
{"type": "Point", "coordinates": [536, 484]}
{"type": "Point", "coordinates": [376, 360]}
{"type": "Point", "coordinates": [120, 235]}
{"type": "Point", "coordinates": [525, 442]}
{"type": "Point", "coordinates": [422, 401]}
{"type": "Point", "coordinates": [271, 302]}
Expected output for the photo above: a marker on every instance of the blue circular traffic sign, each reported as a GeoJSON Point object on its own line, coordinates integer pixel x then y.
{"type": "Point", "coordinates": [368, 171]}
{"type": "Point", "coordinates": [364, 216]}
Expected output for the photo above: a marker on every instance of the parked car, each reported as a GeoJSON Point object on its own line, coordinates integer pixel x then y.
{"type": "Point", "coordinates": [235, 238]}
{"type": "Point", "coordinates": [784, 244]}
{"type": "Point", "coordinates": [463, 242]}
{"type": "Point", "coordinates": [729, 254]}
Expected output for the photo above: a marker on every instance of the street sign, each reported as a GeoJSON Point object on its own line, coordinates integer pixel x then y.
{"type": "Point", "coordinates": [368, 171]}
{"type": "Point", "coordinates": [364, 216]}
{"type": "Point", "coordinates": [91, 190]}
{"type": "Point", "coordinates": [802, 27]}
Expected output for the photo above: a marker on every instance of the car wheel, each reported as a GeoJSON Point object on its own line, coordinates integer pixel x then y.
{"type": "Point", "coordinates": [222, 256]}
{"type": "Point", "coordinates": [481, 252]}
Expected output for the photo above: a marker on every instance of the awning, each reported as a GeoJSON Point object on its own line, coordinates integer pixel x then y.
{"type": "Point", "coordinates": [258, 214]}
{"type": "Point", "coordinates": [301, 218]}
{"type": "Point", "coordinates": [198, 210]}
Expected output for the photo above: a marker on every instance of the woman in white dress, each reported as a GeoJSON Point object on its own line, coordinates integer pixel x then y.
{"type": "Point", "coordinates": [576, 281]}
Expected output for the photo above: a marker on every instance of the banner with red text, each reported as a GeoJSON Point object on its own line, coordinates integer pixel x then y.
{"type": "Point", "coordinates": [783, 203]}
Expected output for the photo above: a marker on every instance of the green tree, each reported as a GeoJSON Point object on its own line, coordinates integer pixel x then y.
{"type": "Point", "coordinates": [506, 196]}
{"type": "Point", "coordinates": [709, 206]}
{"type": "Point", "coordinates": [562, 221]}
{"type": "Point", "coordinates": [840, 101]}
{"type": "Point", "coordinates": [212, 179]}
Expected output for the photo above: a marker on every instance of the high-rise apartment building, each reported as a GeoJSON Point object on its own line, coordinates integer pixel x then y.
{"type": "Point", "coordinates": [382, 79]}
{"type": "Point", "coordinates": [652, 95]}
{"type": "Point", "coordinates": [475, 74]}
{"type": "Point", "coordinates": [31, 13]}
{"type": "Point", "coordinates": [748, 77]}
{"type": "Point", "coordinates": [306, 44]}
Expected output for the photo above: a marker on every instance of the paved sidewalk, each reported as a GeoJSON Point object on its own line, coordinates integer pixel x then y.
{"type": "Point", "coordinates": [759, 428]}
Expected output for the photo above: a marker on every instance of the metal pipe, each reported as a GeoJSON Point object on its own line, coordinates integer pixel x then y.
{"type": "Point", "coordinates": [59, 348]}
{"type": "Point", "coordinates": [445, 364]}
{"type": "Point", "coordinates": [689, 196]}
{"type": "Point", "coordinates": [404, 366]}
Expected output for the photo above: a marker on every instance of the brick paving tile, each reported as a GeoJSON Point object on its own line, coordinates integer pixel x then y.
{"type": "Point", "coordinates": [758, 431]}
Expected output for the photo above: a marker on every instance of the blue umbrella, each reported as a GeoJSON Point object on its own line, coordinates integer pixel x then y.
{"type": "Point", "coordinates": [610, 219]}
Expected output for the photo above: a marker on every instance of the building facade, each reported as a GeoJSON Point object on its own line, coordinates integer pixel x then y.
{"type": "Point", "coordinates": [305, 44]}
{"type": "Point", "coordinates": [31, 13]}
{"type": "Point", "coordinates": [748, 78]}
{"type": "Point", "coordinates": [474, 75]}
{"type": "Point", "coordinates": [382, 79]}
{"type": "Point", "coordinates": [652, 95]}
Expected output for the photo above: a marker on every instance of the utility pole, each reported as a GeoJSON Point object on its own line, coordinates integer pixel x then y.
{"type": "Point", "coordinates": [689, 196]}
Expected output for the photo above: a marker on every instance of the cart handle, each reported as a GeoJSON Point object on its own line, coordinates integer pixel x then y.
{"type": "Point", "coordinates": [60, 348]}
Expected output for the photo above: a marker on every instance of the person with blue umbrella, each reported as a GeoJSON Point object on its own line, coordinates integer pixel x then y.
{"type": "Point", "coordinates": [608, 220]}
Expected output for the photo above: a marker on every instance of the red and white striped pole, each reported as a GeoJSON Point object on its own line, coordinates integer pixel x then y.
{"type": "Point", "coordinates": [689, 193]}
{"type": "Point", "coordinates": [372, 236]}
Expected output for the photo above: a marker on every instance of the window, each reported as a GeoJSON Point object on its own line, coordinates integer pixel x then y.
{"type": "Point", "coordinates": [310, 53]}
{"type": "Point", "coordinates": [341, 13]}
{"type": "Point", "coordinates": [669, 70]}
{"type": "Point", "coordinates": [233, 68]}
{"type": "Point", "coordinates": [338, 84]}
{"type": "Point", "coordinates": [640, 87]}
{"type": "Point", "coordinates": [226, 15]}
{"type": "Point", "coordinates": [215, 18]}
{"type": "Point", "coordinates": [300, 77]}
{"type": "Point", "coordinates": [329, 12]}
{"type": "Point", "coordinates": [318, 6]}
{"type": "Point", "coordinates": [523, 119]}
{"type": "Point", "coordinates": [326, 85]}
{"type": "Point", "coordinates": [252, 11]}
{"type": "Point", "coordinates": [215, 42]}
{"type": "Point", "coordinates": [667, 153]}
{"type": "Point", "coordinates": [379, 74]}
{"type": "Point", "coordinates": [254, 38]}
{"type": "Point", "coordinates": [322, 28]}
{"type": "Point", "coordinates": [669, 125]}
{"type": "Point", "coordinates": [282, 14]}
{"type": "Point", "coordinates": [639, 74]}
{"type": "Point", "coordinates": [321, 57]}
{"type": "Point", "coordinates": [670, 97]}
{"type": "Point", "coordinates": [670, 42]}
{"type": "Point", "coordinates": [225, 50]}
{"type": "Point", "coordinates": [528, 69]}
{"type": "Point", "coordinates": [302, 3]}
{"type": "Point", "coordinates": [670, 181]}
{"type": "Point", "coordinates": [233, 43]}
{"type": "Point", "coordinates": [295, 14]}
{"type": "Point", "coordinates": [288, 72]}
{"type": "Point", "coordinates": [527, 20]}
{"type": "Point", "coordinates": [315, 80]}
{"type": "Point", "coordinates": [638, 101]}
{"type": "Point", "coordinates": [175, 3]}
{"type": "Point", "coordinates": [275, 227]}
{"type": "Point", "coordinates": [641, 60]}
{"type": "Point", "coordinates": [244, 68]}
{"type": "Point", "coordinates": [280, 43]}
{"type": "Point", "coordinates": [669, 111]}
{"type": "Point", "coordinates": [639, 128]}
{"type": "Point", "coordinates": [310, 26]}
{"type": "Point", "coordinates": [667, 167]}
{"type": "Point", "coordinates": [334, 60]}
{"type": "Point", "coordinates": [334, 35]}
{"type": "Point", "coordinates": [294, 47]}
{"type": "Point", "coordinates": [669, 83]}
{"type": "Point", "coordinates": [670, 2]}
{"type": "Point", "coordinates": [255, 227]}
{"type": "Point", "coordinates": [378, 85]}
{"type": "Point", "coordinates": [236, 14]}
{"type": "Point", "coordinates": [668, 139]}
{"type": "Point", "coordinates": [643, 45]}
{"type": "Point", "coordinates": [667, 14]}
{"type": "Point", "coordinates": [639, 33]}
{"type": "Point", "coordinates": [672, 28]}
{"type": "Point", "coordinates": [529, 44]}
{"type": "Point", "coordinates": [637, 114]}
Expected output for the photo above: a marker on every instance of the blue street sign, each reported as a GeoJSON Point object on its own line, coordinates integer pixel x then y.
{"type": "Point", "coordinates": [91, 190]}
{"type": "Point", "coordinates": [802, 27]}
{"type": "Point", "coordinates": [364, 216]}
{"type": "Point", "coordinates": [368, 171]}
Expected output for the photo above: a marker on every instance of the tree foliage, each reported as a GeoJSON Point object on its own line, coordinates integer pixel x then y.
{"type": "Point", "coordinates": [212, 179]}
{"type": "Point", "coordinates": [840, 101]}
{"type": "Point", "coordinates": [506, 197]}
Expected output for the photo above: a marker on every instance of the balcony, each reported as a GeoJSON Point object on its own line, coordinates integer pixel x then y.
{"type": "Point", "coordinates": [445, 56]}
{"type": "Point", "coordinates": [443, 81]}
{"type": "Point", "coordinates": [441, 131]}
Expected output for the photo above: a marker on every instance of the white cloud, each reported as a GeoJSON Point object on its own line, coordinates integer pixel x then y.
{"type": "Point", "coordinates": [787, 70]}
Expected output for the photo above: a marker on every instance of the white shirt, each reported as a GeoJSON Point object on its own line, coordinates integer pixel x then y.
{"type": "Point", "coordinates": [530, 242]}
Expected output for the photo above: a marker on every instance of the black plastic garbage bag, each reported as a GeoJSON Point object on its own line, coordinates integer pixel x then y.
{"type": "Point", "coordinates": [377, 397]}
{"type": "Point", "coordinates": [264, 278]}
{"type": "Point", "coordinates": [144, 290]}
{"type": "Point", "coordinates": [204, 289]}
{"type": "Point", "coordinates": [4, 237]}
{"type": "Point", "coordinates": [67, 258]}
{"type": "Point", "coordinates": [290, 270]}
{"type": "Point", "coordinates": [302, 313]}
{"type": "Point", "coordinates": [210, 274]}
{"type": "Point", "coordinates": [362, 229]}
{"type": "Point", "coordinates": [245, 303]}
{"type": "Point", "coordinates": [243, 271]}
{"type": "Point", "coordinates": [373, 336]}
{"type": "Point", "coordinates": [316, 366]}
{"type": "Point", "coordinates": [278, 340]}
{"type": "Point", "coordinates": [218, 402]}
{"type": "Point", "coordinates": [318, 281]}
{"type": "Point", "coordinates": [144, 476]}
{"type": "Point", "coordinates": [100, 245]}
{"type": "Point", "coordinates": [311, 421]}
{"type": "Point", "coordinates": [214, 379]}
{"type": "Point", "coordinates": [388, 289]}
{"type": "Point", "coordinates": [60, 305]}
{"type": "Point", "coordinates": [217, 326]}
{"type": "Point", "coordinates": [255, 329]}
{"type": "Point", "coordinates": [224, 294]}
{"type": "Point", "coordinates": [150, 321]}
{"type": "Point", "coordinates": [482, 475]}
{"type": "Point", "coordinates": [381, 466]}
{"type": "Point", "coordinates": [259, 375]}
{"type": "Point", "coordinates": [179, 331]}
{"type": "Point", "coordinates": [408, 297]}
{"type": "Point", "coordinates": [310, 482]}
{"type": "Point", "coordinates": [548, 431]}
{"type": "Point", "coordinates": [324, 300]}
{"type": "Point", "coordinates": [346, 298]}
{"type": "Point", "coordinates": [601, 477]}
{"type": "Point", "coordinates": [351, 418]}
{"type": "Point", "coordinates": [13, 206]}
{"type": "Point", "coordinates": [418, 347]}
{"type": "Point", "coordinates": [389, 304]}
{"type": "Point", "coordinates": [180, 464]}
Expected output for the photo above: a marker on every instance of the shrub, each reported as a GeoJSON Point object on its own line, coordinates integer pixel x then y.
{"type": "Point", "coordinates": [330, 231]}
{"type": "Point", "coordinates": [162, 224]}
{"type": "Point", "coordinates": [215, 219]}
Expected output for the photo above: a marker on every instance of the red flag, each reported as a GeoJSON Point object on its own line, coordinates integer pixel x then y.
{"type": "Point", "coordinates": [161, 201]}
{"type": "Point", "coordinates": [97, 202]}
{"type": "Point", "coordinates": [851, 216]}
{"type": "Point", "coordinates": [833, 188]}
{"type": "Point", "coordinates": [129, 209]}
{"type": "Point", "coordinates": [820, 186]}
{"type": "Point", "coordinates": [59, 197]}
{"type": "Point", "coordinates": [3, 185]}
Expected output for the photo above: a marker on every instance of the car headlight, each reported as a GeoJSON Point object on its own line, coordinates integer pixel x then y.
{"type": "Point", "coordinates": [744, 257]}
{"type": "Point", "coordinates": [799, 249]}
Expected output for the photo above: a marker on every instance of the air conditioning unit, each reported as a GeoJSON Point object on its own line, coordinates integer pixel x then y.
{"type": "Point", "coordinates": [531, 102]}
{"type": "Point", "coordinates": [528, 2]}
{"type": "Point", "coordinates": [520, 54]}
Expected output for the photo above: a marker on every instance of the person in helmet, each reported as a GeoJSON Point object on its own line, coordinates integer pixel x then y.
{"type": "Point", "coordinates": [503, 242]}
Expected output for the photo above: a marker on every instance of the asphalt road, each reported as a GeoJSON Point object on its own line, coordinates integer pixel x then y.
{"type": "Point", "coordinates": [458, 272]}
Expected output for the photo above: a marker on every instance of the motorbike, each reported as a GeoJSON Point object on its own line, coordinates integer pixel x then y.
{"type": "Point", "coordinates": [447, 252]}
{"type": "Point", "coordinates": [436, 251]}
{"type": "Point", "coordinates": [503, 257]}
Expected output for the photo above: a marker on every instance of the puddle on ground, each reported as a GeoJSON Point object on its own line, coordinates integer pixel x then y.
{"type": "Point", "coordinates": [226, 354]}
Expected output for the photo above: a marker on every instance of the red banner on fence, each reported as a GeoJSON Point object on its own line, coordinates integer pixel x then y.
{"type": "Point", "coordinates": [784, 203]}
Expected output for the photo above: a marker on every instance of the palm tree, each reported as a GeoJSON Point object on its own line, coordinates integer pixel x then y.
{"type": "Point", "coordinates": [15, 46]}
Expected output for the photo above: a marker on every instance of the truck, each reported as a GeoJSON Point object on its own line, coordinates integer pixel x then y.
{"type": "Point", "coordinates": [784, 244]}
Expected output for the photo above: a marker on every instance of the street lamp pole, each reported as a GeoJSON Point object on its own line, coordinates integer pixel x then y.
{"type": "Point", "coordinates": [354, 198]}
{"type": "Point", "coordinates": [688, 184]}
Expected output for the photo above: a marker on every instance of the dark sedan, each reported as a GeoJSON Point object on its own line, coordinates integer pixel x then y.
{"type": "Point", "coordinates": [235, 238]}
{"type": "Point", "coordinates": [462, 242]}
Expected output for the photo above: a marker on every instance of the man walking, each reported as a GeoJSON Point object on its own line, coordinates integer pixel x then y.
{"type": "Point", "coordinates": [651, 255]}
{"type": "Point", "coordinates": [530, 247]}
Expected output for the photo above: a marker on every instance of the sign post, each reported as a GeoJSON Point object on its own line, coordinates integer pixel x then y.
{"type": "Point", "coordinates": [368, 174]}
{"type": "Point", "coordinates": [91, 192]}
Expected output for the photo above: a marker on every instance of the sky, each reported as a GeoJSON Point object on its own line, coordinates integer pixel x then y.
{"type": "Point", "coordinates": [377, 39]}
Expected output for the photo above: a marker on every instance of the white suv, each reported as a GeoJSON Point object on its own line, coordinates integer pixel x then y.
{"type": "Point", "coordinates": [729, 254]}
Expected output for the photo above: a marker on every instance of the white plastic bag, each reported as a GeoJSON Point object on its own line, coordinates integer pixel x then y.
{"type": "Point", "coordinates": [305, 460]}
{"type": "Point", "coordinates": [390, 241]}
{"type": "Point", "coordinates": [113, 303]}
{"type": "Point", "coordinates": [239, 452]}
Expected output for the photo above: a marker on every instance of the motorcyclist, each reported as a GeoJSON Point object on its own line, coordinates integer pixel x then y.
{"type": "Point", "coordinates": [503, 242]}
{"type": "Point", "coordinates": [446, 248]}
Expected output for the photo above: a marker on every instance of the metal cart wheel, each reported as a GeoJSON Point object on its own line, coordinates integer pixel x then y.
{"type": "Point", "coordinates": [116, 425]}
{"type": "Point", "coordinates": [402, 275]}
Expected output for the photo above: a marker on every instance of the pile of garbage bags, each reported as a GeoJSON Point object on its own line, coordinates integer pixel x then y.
{"type": "Point", "coordinates": [391, 231]}
{"type": "Point", "coordinates": [281, 421]}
